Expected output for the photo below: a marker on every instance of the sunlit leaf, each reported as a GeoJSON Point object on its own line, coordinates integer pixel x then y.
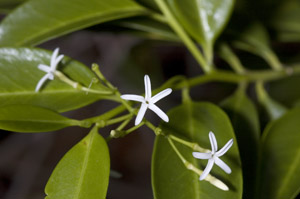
{"type": "Point", "coordinates": [83, 172]}
{"type": "Point", "coordinates": [19, 76]}
{"type": "Point", "coordinates": [280, 159]}
{"type": "Point", "coordinates": [205, 19]}
{"type": "Point", "coordinates": [170, 178]}
{"type": "Point", "coordinates": [245, 121]}
{"type": "Point", "coordinates": [40, 20]}
{"type": "Point", "coordinates": [27, 118]}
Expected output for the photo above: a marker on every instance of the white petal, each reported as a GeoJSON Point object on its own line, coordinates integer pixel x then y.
{"type": "Point", "coordinates": [225, 148]}
{"type": "Point", "coordinates": [137, 98]}
{"type": "Point", "coordinates": [201, 155]}
{"type": "Point", "coordinates": [141, 113]}
{"type": "Point", "coordinates": [161, 95]}
{"type": "Point", "coordinates": [44, 68]}
{"type": "Point", "coordinates": [222, 165]}
{"type": "Point", "coordinates": [54, 55]}
{"type": "Point", "coordinates": [159, 112]}
{"type": "Point", "coordinates": [213, 142]}
{"type": "Point", "coordinates": [147, 83]}
{"type": "Point", "coordinates": [41, 82]}
{"type": "Point", "coordinates": [50, 76]}
{"type": "Point", "coordinates": [55, 63]}
{"type": "Point", "coordinates": [208, 168]}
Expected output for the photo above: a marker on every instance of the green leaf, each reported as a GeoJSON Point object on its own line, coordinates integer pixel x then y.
{"type": "Point", "coordinates": [27, 118]}
{"type": "Point", "coordinates": [19, 76]}
{"type": "Point", "coordinates": [245, 121]}
{"type": "Point", "coordinates": [256, 40]}
{"type": "Point", "coordinates": [286, 21]}
{"type": "Point", "coordinates": [205, 19]}
{"type": "Point", "coordinates": [192, 121]}
{"type": "Point", "coordinates": [83, 172]}
{"type": "Point", "coordinates": [154, 29]}
{"type": "Point", "coordinates": [286, 90]}
{"type": "Point", "coordinates": [280, 158]}
{"type": "Point", "coordinates": [58, 17]}
{"type": "Point", "coordinates": [8, 5]}
{"type": "Point", "coordinates": [274, 109]}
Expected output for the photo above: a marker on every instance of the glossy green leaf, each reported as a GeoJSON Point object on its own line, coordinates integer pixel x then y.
{"type": "Point", "coordinates": [19, 76]}
{"type": "Point", "coordinates": [83, 172]}
{"type": "Point", "coordinates": [205, 19]}
{"type": "Point", "coordinates": [39, 20]}
{"type": "Point", "coordinates": [27, 118]}
{"type": "Point", "coordinates": [245, 121]}
{"type": "Point", "coordinates": [280, 159]}
{"type": "Point", "coordinates": [170, 178]}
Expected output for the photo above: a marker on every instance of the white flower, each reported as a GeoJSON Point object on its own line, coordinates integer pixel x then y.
{"type": "Point", "coordinates": [148, 101]}
{"type": "Point", "coordinates": [213, 156]}
{"type": "Point", "coordinates": [49, 69]}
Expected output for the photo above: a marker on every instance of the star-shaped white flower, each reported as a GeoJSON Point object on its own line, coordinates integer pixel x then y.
{"type": "Point", "coordinates": [148, 101]}
{"type": "Point", "coordinates": [49, 69]}
{"type": "Point", "coordinates": [213, 156]}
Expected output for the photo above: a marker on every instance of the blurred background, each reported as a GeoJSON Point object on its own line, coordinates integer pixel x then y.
{"type": "Point", "coordinates": [27, 160]}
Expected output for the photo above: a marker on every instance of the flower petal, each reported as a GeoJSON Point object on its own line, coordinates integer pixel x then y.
{"type": "Point", "coordinates": [44, 68]}
{"type": "Point", "coordinates": [213, 142]}
{"type": "Point", "coordinates": [161, 95]}
{"type": "Point", "coordinates": [225, 148]}
{"type": "Point", "coordinates": [55, 63]}
{"type": "Point", "coordinates": [159, 112]}
{"type": "Point", "coordinates": [199, 155]}
{"type": "Point", "coordinates": [53, 56]}
{"type": "Point", "coordinates": [222, 165]}
{"type": "Point", "coordinates": [141, 113]}
{"type": "Point", "coordinates": [147, 87]}
{"type": "Point", "coordinates": [41, 82]}
{"type": "Point", "coordinates": [208, 168]}
{"type": "Point", "coordinates": [137, 98]}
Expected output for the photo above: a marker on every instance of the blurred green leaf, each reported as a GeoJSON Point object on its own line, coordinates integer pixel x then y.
{"type": "Point", "coordinates": [27, 118]}
{"type": "Point", "coordinates": [274, 109]}
{"type": "Point", "coordinates": [40, 20]}
{"type": "Point", "coordinates": [205, 19]}
{"type": "Point", "coordinates": [155, 29]}
{"type": "Point", "coordinates": [245, 121]}
{"type": "Point", "coordinates": [8, 5]}
{"type": "Point", "coordinates": [83, 172]}
{"type": "Point", "coordinates": [256, 40]}
{"type": "Point", "coordinates": [170, 178]}
{"type": "Point", "coordinates": [148, 3]}
{"type": "Point", "coordinates": [286, 91]}
{"type": "Point", "coordinates": [286, 21]}
{"type": "Point", "coordinates": [280, 158]}
{"type": "Point", "coordinates": [19, 75]}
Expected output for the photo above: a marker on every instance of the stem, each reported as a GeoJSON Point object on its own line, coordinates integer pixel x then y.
{"type": "Point", "coordinates": [118, 119]}
{"type": "Point", "coordinates": [182, 34]}
{"type": "Point", "coordinates": [211, 179]}
{"type": "Point", "coordinates": [107, 115]}
{"type": "Point", "coordinates": [78, 86]}
{"type": "Point", "coordinates": [192, 145]}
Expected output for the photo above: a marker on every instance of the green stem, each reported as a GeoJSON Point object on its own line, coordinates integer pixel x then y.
{"type": "Point", "coordinates": [182, 34]}
{"type": "Point", "coordinates": [106, 116]}
{"type": "Point", "coordinates": [192, 145]}
{"type": "Point", "coordinates": [78, 86]}
{"type": "Point", "coordinates": [211, 179]}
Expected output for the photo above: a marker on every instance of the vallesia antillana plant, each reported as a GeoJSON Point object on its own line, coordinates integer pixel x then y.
{"type": "Point", "coordinates": [262, 160]}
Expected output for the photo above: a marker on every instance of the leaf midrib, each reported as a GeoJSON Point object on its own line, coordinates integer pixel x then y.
{"type": "Point", "coordinates": [290, 173]}
{"type": "Point", "coordinates": [84, 166]}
